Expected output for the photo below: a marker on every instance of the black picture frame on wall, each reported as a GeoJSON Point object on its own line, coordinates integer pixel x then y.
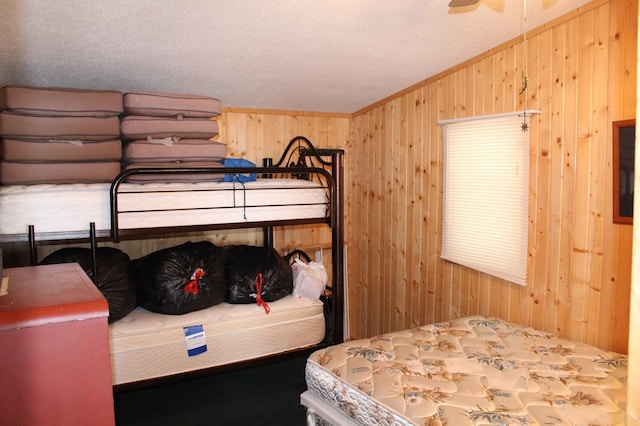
{"type": "Point", "coordinates": [624, 135]}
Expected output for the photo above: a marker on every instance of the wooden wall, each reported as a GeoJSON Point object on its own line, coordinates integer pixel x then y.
{"type": "Point", "coordinates": [582, 71]}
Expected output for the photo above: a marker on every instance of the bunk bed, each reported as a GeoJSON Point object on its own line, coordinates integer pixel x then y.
{"type": "Point", "coordinates": [470, 371]}
{"type": "Point", "coordinates": [305, 186]}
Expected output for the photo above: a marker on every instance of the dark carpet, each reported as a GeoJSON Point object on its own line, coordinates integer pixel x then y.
{"type": "Point", "coordinates": [258, 395]}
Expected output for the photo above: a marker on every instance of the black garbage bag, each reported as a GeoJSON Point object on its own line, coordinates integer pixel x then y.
{"type": "Point", "coordinates": [257, 275]}
{"type": "Point", "coordinates": [181, 279]}
{"type": "Point", "coordinates": [114, 275]}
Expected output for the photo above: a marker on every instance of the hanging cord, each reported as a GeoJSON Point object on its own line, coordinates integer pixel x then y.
{"type": "Point", "coordinates": [525, 76]}
{"type": "Point", "coordinates": [244, 197]}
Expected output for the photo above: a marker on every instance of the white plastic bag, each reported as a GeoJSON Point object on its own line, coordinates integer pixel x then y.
{"type": "Point", "coordinates": [309, 279]}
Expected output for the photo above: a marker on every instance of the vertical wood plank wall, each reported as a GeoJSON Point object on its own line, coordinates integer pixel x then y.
{"type": "Point", "coordinates": [582, 71]}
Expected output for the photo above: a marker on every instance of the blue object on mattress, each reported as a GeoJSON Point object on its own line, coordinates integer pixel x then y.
{"type": "Point", "coordinates": [236, 177]}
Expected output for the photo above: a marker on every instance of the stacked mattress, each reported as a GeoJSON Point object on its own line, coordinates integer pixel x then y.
{"type": "Point", "coordinates": [59, 135]}
{"type": "Point", "coordinates": [164, 130]}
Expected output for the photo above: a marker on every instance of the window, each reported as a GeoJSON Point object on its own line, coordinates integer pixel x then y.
{"type": "Point", "coordinates": [486, 195]}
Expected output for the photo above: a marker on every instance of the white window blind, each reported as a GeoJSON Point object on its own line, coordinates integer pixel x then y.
{"type": "Point", "coordinates": [486, 195]}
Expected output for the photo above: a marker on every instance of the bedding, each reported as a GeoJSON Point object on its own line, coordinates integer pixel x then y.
{"type": "Point", "coordinates": [134, 127]}
{"type": "Point", "coordinates": [181, 279]}
{"type": "Point", "coordinates": [146, 345]}
{"type": "Point", "coordinates": [17, 126]}
{"type": "Point", "coordinates": [160, 104]}
{"type": "Point", "coordinates": [71, 207]}
{"type": "Point", "coordinates": [58, 101]}
{"type": "Point", "coordinates": [112, 275]}
{"type": "Point", "coordinates": [471, 371]}
{"type": "Point", "coordinates": [169, 150]}
{"type": "Point", "coordinates": [18, 173]}
{"type": "Point", "coordinates": [52, 150]}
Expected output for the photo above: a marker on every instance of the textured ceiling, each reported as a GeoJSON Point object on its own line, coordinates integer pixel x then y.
{"type": "Point", "coordinates": [306, 55]}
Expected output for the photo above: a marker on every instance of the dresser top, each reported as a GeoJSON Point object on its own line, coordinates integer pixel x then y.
{"type": "Point", "coordinates": [48, 294]}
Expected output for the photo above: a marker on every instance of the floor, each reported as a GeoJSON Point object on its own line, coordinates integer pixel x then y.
{"type": "Point", "coordinates": [264, 395]}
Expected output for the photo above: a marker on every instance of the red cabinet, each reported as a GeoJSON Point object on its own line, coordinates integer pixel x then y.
{"type": "Point", "coordinates": [54, 348]}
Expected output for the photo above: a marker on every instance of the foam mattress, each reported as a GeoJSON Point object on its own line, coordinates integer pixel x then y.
{"type": "Point", "coordinates": [160, 104]}
{"type": "Point", "coordinates": [59, 101]}
{"type": "Point", "coordinates": [471, 371]}
{"type": "Point", "coordinates": [136, 127]}
{"type": "Point", "coordinates": [51, 151]}
{"type": "Point", "coordinates": [58, 172]}
{"type": "Point", "coordinates": [16, 126]}
{"type": "Point", "coordinates": [69, 208]}
{"type": "Point", "coordinates": [169, 150]}
{"type": "Point", "coordinates": [146, 345]}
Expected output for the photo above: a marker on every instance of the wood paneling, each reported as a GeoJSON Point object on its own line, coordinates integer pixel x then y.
{"type": "Point", "coordinates": [581, 72]}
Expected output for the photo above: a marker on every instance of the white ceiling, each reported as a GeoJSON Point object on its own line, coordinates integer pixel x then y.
{"type": "Point", "coordinates": [307, 55]}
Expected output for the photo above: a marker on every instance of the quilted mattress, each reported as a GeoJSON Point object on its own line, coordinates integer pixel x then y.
{"type": "Point", "coordinates": [71, 207]}
{"type": "Point", "coordinates": [147, 345]}
{"type": "Point", "coordinates": [472, 371]}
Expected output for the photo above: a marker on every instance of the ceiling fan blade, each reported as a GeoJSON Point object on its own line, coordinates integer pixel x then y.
{"type": "Point", "coordinates": [462, 3]}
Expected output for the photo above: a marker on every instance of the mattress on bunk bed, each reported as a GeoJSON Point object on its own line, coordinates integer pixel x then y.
{"type": "Point", "coordinates": [57, 172]}
{"type": "Point", "coordinates": [134, 127]}
{"type": "Point", "coordinates": [60, 101]}
{"type": "Point", "coordinates": [17, 126]}
{"type": "Point", "coordinates": [71, 207]}
{"type": "Point", "coordinates": [146, 345]}
{"type": "Point", "coordinates": [471, 371]}
{"type": "Point", "coordinates": [160, 104]}
{"type": "Point", "coordinates": [52, 150]}
{"type": "Point", "coordinates": [169, 150]}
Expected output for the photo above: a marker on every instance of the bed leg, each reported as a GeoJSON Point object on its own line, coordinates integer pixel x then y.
{"type": "Point", "coordinates": [267, 236]}
{"type": "Point", "coordinates": [267, 162]}
{"type": "Point", "coordinates": [33, 250]}
{"type": "Point", "coordinates": [314, 419]}
{"type": "Point", "coordinates": [94, 246]}
{"type": "Point", "coordinates": [311, 418]}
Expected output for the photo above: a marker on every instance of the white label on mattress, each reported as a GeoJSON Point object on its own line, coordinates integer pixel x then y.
{"type": "Point", "coordinates": [195, 339]}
